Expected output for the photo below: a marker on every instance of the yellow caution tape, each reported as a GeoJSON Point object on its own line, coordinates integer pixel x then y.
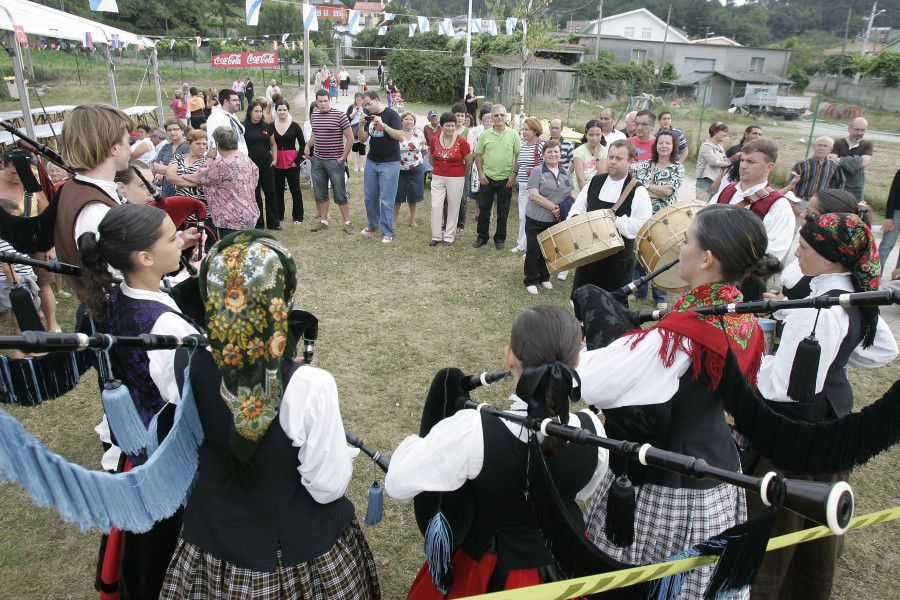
{"type": "Point", "coordinates": [593, 584]}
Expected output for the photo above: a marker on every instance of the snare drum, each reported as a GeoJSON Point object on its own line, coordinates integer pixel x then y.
{"type": "Point", "coordinates": [580, 240]}
{"type": "Point", "coordinates": [657, 242]}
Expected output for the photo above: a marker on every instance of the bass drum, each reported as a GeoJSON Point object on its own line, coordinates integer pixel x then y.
{"type": "Point", "coordinates": [580, 240]}
{"type": "Point", "coordinates": [657, 242]}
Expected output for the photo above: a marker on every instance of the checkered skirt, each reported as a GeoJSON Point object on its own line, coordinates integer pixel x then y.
{"type": "Point", "coordinates": [668, 521]}
{"type": "Point", "coordinates": [347, 571]}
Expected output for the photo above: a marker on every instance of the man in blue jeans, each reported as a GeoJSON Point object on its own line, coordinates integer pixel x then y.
{"type": "Point", "coordinates": [331, 141]}
{"type": "Point", "coordinates": [384, 130]}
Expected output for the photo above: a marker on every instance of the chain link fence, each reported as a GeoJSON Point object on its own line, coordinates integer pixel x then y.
{"type": "Point", "coordinates": [577, 100]}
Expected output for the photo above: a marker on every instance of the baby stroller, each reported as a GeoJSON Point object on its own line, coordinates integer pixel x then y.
{"type": "Point", "coordinates": [397, 102]}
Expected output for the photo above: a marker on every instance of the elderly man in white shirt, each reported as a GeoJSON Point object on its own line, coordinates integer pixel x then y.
{"type": "Point", "coordinates": [757, 161]}
{"type": "Point", "coordinates": [618, 191]}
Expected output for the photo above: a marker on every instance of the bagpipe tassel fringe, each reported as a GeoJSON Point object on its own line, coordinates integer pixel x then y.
{"type": "Point", "coordinates": [740, 549]}
{"type": "Point", "coordinates": [30, 381]}
{"type": "Point", "coordinates": [438, 549]}
{"type": "Point", "coordinates": [124, 421]}
{"type": "Point", "coordinates": [131, 501]}
{"type": "Point", "coordinates": [375, 509]}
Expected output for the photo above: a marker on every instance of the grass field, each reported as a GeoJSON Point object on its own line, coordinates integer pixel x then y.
{"type": "Point", "coordinates": [390, 317]}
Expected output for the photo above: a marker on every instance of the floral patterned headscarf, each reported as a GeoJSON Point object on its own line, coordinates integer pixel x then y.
{"type": "Point", "coordinates": [247, 284]}
{"type": "Point", "coordinates": [843, 238]}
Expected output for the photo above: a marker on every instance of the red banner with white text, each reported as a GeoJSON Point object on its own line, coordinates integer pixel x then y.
{"type": "Point", "coordinates": [245, 59]}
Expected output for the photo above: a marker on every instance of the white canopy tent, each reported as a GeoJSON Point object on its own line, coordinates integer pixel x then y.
{"type": "Point", "coordinates": [37, 19]}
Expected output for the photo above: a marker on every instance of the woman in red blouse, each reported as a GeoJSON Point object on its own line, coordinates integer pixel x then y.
{"type": "Point", "coordinates": [451, 158]}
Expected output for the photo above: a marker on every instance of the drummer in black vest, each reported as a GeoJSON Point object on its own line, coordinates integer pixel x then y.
{"type": "Point", "coordinates": [620, 192]}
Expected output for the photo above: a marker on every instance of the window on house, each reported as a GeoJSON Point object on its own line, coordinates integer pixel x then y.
{"type": "Point", "coordinates": [318, 12]}
{"type": "Point", "coordinates": [638, 55]}
{"type": "Point", "coordinates": [646, 33]}
{"type": "Point", "coordinates": [757, 63]}
{"type": "Point", "coordinates": [629, 32]}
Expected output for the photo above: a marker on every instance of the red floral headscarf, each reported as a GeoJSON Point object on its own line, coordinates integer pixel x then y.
{"type": "Point", "coordinates": [843, 238]}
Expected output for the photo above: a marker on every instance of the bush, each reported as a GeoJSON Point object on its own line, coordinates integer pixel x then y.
{"type": "Point", "coordinates": [427, 77]}
{"type": "Point", "coordinates": [800, 78]}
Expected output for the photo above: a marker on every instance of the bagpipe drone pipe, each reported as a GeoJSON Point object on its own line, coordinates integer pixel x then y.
{"type": "Point", "coordinates": [803, 448]}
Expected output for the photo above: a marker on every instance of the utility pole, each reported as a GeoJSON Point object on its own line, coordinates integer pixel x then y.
{"type": "Point", "coordinates": [843, 51]}
{"type": "Point", "coordinates": [599, 22]}
{"type": "Point", "coordinates": [662, 56]}
{"type": "Point", "coordinates": [467, 58]}
{"type": "Point", "coordinates": [865, 48]}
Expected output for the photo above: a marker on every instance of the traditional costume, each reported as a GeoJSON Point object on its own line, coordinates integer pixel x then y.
{"type": "Point", "coordinates": [149, 376]}
{"type": "Point", "coordinates": [847, 337]}
{"type": "Point", "coordinates": [658, 386]}
{"type": "Point", "coordinates": [263, 514]}
{"type": "Point", "coordinates": [631, 204]}
{"type": "Point", "coordinates": [485, 460]}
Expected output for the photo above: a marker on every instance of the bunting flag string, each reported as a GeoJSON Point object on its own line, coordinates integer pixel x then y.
{"type": "Point", "coordinates": [423, 25]}
{"type": "Point", "coordinates": [412, 29]}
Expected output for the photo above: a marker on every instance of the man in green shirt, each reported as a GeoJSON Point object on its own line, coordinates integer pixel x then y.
{"type": "Point", "coordinates": [495, 158]}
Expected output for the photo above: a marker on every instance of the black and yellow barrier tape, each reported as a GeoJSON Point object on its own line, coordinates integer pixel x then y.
{"type": "Point", "coordinates": [594, 584]}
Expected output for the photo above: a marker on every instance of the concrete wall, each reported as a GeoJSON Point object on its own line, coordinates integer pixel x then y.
{"type": "Point", "coordinates": [727, 58]}
{"type": "Point", "coordinates": [871, 94]}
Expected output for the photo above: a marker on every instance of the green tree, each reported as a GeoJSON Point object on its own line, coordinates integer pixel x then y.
{"type": "Point", "coordinates": [279, 17]}
{"type": "Point", "coordinates": [428, 77]}
{"type": "Point", "coordinates": [800, 79]}
{"type": "Point", "coordinates": [539, 36]}
{"type": "Point", "coordinates": [887, 66]}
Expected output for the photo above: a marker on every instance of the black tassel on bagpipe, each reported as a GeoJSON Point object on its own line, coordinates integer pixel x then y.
{"type": "Point", "coordinates": [802, 381]}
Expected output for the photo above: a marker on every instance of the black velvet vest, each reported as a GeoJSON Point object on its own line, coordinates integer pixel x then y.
{"type": "Point", "coordinates": [594, 202]}
{"type": "Point", "coordinates": [246, 527]}
{"type": "Point", "coordinates": [692, 422]}
{"type": "Point", "coordinates": [836, 398]}
{"type": "Point", "coordinates": [505, 523]}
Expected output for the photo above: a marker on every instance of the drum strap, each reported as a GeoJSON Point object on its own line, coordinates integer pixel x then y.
{"type": "Point", "coordinates": [756, 196]}
{"type": "Point", "coordinates": [625, 191]}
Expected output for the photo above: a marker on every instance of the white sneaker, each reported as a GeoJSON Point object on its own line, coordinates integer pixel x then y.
{"type": "Point", "coordinates": [547, 285]}
{"type": "Point", "coordinates": [515, 249]}
{"type": "Point", "coordinates": [366, 231]}
{"type": "Point", "coordinates": [562, 275]}
{"type": "Point", "coordinates": [531, 289]}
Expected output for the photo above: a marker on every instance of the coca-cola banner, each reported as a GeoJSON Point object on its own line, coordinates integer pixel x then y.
{"type": "Point", "coordinates": [246, 59]}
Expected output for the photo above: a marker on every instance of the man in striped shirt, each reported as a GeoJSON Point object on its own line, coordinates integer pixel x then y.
{"type": "Point", "coordinates": [567, 148]}
{"type": "Point", "coordinates": [331, 141]}
{"type": "Point", "coordinates": [815, 173]}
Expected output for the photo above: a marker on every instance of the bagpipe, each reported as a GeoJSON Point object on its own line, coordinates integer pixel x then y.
{"type": "Point", "coordinates": [876, 298]}
{"type": "Point", "coordinates": [445, 519]}
{"type": "Point", "coordinates": [803, 448]}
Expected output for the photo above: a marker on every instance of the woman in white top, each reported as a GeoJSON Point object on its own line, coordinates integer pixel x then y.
{"type": "Point", "coordinates": [711, 160]}
{"type": "Point", "coordinates": [838, 251]}
{"type": "Point", "coordinates": [530, 157]}
{"type": "Point", "coordinates": [589, 158]}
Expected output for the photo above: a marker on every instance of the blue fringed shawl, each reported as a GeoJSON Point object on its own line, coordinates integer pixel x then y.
{"type": "Point", "coordinates": [131, 501]}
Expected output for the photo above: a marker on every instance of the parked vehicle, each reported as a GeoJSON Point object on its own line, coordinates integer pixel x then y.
{"type": "Point", "coordinates": [764, 100]}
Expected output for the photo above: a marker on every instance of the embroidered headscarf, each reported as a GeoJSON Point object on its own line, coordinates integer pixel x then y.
{"type": "Point", "coordinates": [843, 238]}
{"type": "Point", "coordinates": [247, 284]}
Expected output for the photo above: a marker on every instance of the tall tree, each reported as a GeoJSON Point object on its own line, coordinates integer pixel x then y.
{"type": "Point", "coordinates": [537, 33]}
